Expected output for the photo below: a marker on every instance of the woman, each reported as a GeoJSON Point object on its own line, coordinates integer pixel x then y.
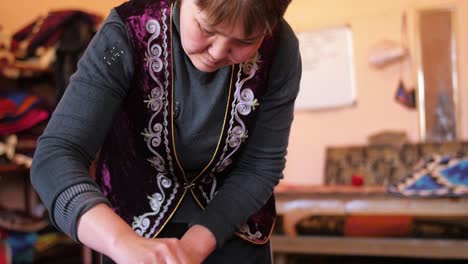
{"type": "Point", "coordinates": [186, 108]}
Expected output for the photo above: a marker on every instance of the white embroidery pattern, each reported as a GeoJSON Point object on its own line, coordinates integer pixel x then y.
{"type": "Point", "coordinates": [142, 223]}
{"type": "Point", "coordinates": [166, 93]}
{"type": "Point", "coordinates": [157, 101]}
{"type": "Point", "coordinates": [152, 133]}
{"type": "Point", "coordinates": [243, 104]}
{"type": "Point", "coordinates": [245, 229]}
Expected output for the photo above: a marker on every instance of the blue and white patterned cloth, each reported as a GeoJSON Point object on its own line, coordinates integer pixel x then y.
{"type": "Point", "coordinates": [440, 176]}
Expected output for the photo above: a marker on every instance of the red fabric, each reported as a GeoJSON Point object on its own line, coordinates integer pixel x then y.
{"type": "Point", "coordinates": [4, 256]}
{"type": "Point", "coordinates": [378, 225]}
{"type": "Point", "coordinates": [32, 118]}
{"type": "Point", "coordinates": [6, 106]}
{"type": "Point", "coordinates": [17, 110]}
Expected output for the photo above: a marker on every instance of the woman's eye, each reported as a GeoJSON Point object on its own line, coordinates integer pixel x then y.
{"type": "Point", "coordinates": [206, 31]}
{"type": "Point", "coordinates": [244, 43]}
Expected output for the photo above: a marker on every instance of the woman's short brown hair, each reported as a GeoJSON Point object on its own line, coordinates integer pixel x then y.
{"type": "Point", "coordinates": [253, 14]}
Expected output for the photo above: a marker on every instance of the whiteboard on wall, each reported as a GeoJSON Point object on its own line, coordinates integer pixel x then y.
{"type": "Point", "coordinates": [328, 77]}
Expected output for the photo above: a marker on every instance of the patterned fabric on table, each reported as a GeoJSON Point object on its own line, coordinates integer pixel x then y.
{"type": "Point", "coordinates": [439, 176]}
{"type": "Point", "coordinates": [382, 165]}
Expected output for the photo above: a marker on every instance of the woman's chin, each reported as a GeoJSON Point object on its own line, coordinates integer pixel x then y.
{"type": "Point", "coordinates": [205, 67]}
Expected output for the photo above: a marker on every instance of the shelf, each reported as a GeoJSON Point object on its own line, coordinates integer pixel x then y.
{"type": "Point", "coordinates": [343, 200]}
{"type": "Point", "coordinates": [387, 247]}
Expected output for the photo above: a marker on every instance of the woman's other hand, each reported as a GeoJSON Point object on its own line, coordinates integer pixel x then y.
{"type": "Point", "coordinates": [104, 231]}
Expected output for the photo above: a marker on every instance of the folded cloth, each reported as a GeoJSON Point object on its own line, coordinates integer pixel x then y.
{"type": "Point", "coordinates": [46, 31]}
{"type": "Point", "coordinates": [22, 111]}
{"type": "Point", "coordinates": [6, 106]}
{"type": "Point", "coordinates": [32, 118]}
{"type": "Point", "coordinates": [439, 176]}
{"type": "Point", "coordinates": [16, 105]}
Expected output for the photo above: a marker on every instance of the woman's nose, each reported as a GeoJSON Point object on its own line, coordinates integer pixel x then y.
{"type": "Point", "coordinates": [219, 49]}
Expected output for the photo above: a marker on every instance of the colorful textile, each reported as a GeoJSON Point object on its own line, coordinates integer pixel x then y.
{"type": "Point", "coordinates": [32, 118]}
{"type": "Point", "coordinates": [440, 176]}
{"type": "Point", "coordinates": [383, 164]}
{"type": "Point", "coordinates": [5, 253]}
{"type": "Point", "coordinates": [45, 31]}
{"type": "Point", "coordinates": [22, 246]}
{"type": "Point", "coordinates": [18, 104]}
{"type": "Point", "coordinates": [6, 106]}
{"type": "Point", "coordinates": [379, 225]}
{"type": "Point", "coordinates": [22, 111]}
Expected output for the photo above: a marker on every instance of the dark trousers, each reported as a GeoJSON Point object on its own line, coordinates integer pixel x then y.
{"type": "Point", "coordinates": [235, 250]}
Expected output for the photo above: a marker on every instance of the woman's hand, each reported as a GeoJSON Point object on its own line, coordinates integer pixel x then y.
{"type": "Point", "coordinates": [104, 231]}
{"type": "Point", "coordinates": [196, 244]}
{"type": "Point", "coordinates": [135, 249]}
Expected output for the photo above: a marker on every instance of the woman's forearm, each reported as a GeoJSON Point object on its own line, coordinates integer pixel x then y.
{"type": "Point", "coordinates": [101, 229]}
{"type": "Point", "coordinates": [198, 242]}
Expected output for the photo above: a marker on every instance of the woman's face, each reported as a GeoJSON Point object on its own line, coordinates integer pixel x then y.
{"type": "Point", "coordinates": [210, 48]}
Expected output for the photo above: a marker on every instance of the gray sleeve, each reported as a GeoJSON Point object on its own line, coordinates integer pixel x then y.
{"type": "Point", "coordinates": [79, 124]}
{"type": "Point", "coordinates": [261, 164]}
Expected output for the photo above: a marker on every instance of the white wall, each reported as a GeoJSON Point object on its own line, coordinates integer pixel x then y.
{"type": "Point", "coordinates": [376, 110]}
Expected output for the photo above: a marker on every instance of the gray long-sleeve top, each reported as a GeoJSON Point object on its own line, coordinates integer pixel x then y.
{"type": "Point", "coordinates": [79, 124]}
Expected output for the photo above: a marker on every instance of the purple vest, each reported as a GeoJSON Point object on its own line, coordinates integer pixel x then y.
{"type": "Point", "coordinates": [138, 168]}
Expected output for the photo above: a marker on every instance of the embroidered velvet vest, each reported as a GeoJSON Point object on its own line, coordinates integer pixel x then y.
{"type": "Point", "coordinates": [138, 168]}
